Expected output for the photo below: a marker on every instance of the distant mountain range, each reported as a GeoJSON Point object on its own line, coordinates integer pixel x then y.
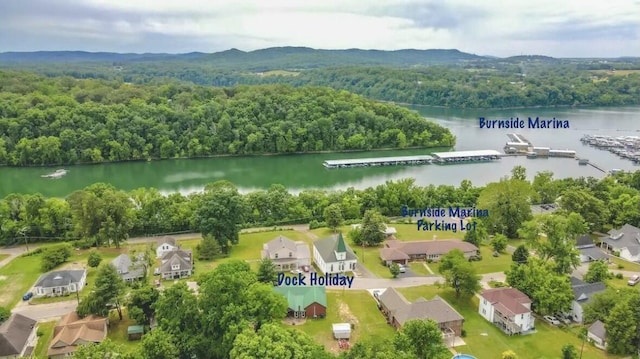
{"type": "Point", "coordinates": [290, 58]}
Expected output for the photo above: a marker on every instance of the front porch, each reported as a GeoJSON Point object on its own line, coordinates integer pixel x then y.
{"type": "Point", "coordinates": [176, 274]}
{"type": "Point", "coordinates": [506, 323]}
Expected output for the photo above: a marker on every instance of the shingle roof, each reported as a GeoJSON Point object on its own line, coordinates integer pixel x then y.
{"type": "Point", "coordinates": [594, 253]}
{"type": "Point", "coordinates": [583, 292]}
{"type": "Point", "coordinates": [300, 297]}
{"type": "Point", "coordinates": [127, 268]}
{"type": "Point", "coordinates": [393, 300]}
{"type": "Point", "coordinates": [173, 258]}
{"type": "Point", "coordinates": [507, 300]}
{"type": "Point", "coordinates": [584, 241]}
{"type": "Point", "coordinates": [436, 309]}
{"type": "Point", "coordinates": [14, 333]}
{"type": "Point", "coordinates": [60, 278]}
{"type": "Point", "coordinates": [597, 329]}
{"type": "Point", "coordinates": [627, 236]}
{"type": "Point", "coordinates": [430, 247]}
{"type": "Point", "coordinates": [72, 331]}
{"type": "Point", "coordinates": [185, 253]}
{"type": "Point", "coordinates": [392, 254]}
{"type": "Point", "coordinates": [167, 240]}
{"type": "Point", "coordinates": [279, 243]}
{"type": "Point", "coordinates": [328, 246]}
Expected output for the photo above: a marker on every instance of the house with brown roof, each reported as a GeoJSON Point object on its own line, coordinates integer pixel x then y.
{"type": "Point", "coordinates": [507, 308]}
{"type": "Point", "coordinates": [398, 310]}
{"type": "Point", "coordinates": [17, 337]}
{"type": "Point", "coordinates": [177, 264]}
{"type": "Point", "coordinates": [287, 254]}
{"type": "Point", "coordinates": [401, 252]}
{"type": "Point", "coordinates": [72, 331]}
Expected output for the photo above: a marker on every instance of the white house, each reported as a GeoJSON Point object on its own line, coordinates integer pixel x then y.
{"type": "Point", "coordinates": [507, 308]}
{"type": "Point", "coordinates": [287, 254]}
{"type": "Point", "coordinates": [625, 240]}
{"type": "Point", "coordinates": [17, 337]}
{"type": "Point", "coordinates": [166, 245]}
{"type": "Point", "coordinates": [582, 294]}
{"type": "Point", "coordinates": [61, 282]}
{"type": "Point", "coordinates": [598, 334]}
{"type": "Point", "coordinates": [332, 255]}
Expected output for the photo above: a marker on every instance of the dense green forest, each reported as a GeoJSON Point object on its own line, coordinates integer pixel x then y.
{"type": "Point", "coordinates": [64, 120]}
{"type": "Point", "coordinates": [105, 214]}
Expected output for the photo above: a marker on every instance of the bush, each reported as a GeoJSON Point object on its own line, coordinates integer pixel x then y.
{"type": "Point", "coordinates": [94, 259]}
{"type": "Point", "coordinates": [463, 333]}
{"type": "Point", "coordinates": [82, 244]}
{"type": "Point", "coordinates": [620, 266]}
{"type": "Point", "coordinates": [39, 332]}
{"type": "Point", "coordinates": [33, 252]}
{"type": "Point", "coordinates": [316, 224]}
{"type": "Point", "coordinates": [619, 276]}
{"type": "Point", "coordinates": [55, 256]}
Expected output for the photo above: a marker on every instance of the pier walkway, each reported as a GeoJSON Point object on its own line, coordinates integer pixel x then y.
{"type": "Point", "coordinates": [437, 157]}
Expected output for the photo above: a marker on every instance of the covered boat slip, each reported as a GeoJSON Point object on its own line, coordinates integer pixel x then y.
{"type": "Point", "coordinates": [437, 157]}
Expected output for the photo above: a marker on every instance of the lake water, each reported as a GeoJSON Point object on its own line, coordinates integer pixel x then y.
{"type": "Point", "coordinates": [306, 171]}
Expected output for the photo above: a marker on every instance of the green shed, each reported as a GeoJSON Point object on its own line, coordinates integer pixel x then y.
{"type": "Point", "coordinates": [135, 332]}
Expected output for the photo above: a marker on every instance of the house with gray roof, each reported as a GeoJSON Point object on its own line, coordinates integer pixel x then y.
{"type": "Point", "coordinates": [625, 240]}
{"type": "Point", "coordinates": [332, 255]}
{"type": "Point", "coordinates": [589, 252]}
{"type": "Point", "coordinates": [165, 245]}
{"type": "Point", "coordinates": [398, 310]}
{"type": "Point", "coordinates": [177, 264]}
{"type": "Point", "coordinates": [287, 254]}
{"type": "Point", "coordinates": [597, 334]}
{"type": "Point", "coordinates": [60, 282]}
{"type": "Point", "coordinates": [17, 337]}
{"type": "Point", "coordinates": [129, 270]}
{"type": "Point", "coordinates": [582, 294]}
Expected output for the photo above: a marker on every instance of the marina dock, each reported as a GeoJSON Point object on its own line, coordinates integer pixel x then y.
{"type": "Point", "coordinates": [627, 147]}
{"type": "Point", "coordinates": [438, 158]}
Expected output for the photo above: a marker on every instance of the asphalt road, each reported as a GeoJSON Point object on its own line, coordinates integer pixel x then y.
{"type": "Point", "coordinates": [46, 311]}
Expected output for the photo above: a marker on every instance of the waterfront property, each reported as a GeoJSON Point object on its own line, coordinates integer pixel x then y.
{"type": "Point", "coordinates": [401, 252]}
{"type": "Point", "coordinates": [508, 309]}
{"type": "Point", "coordinates": [61, 282]}
{"type": "Point", "coordinates": [625, 241]}
{"type": "Point", "coordinates": [287, 254]}
{"type": "Point", "coordinates": [332, 255]}
{"type": "Point", "coordinates": [17, 336]}
{"type": "Point", "coordinates": [72, 331]}
{"type": "Point", "coordinates": [304, 301]}
{"type": "Point", "coordinates": [465, 156]}
{"type": "Point", "coordinates": [398, 310]}
{"type": "Point", "coordinates": [582, 294]}
{"type": "Point", "coordinates": [378, 161]}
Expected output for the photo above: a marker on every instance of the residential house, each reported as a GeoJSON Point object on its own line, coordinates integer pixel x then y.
{"type": "Point", "coordinates": [401, 252]}
{"type": "Point", "coordinates": [129, 271]}
{"type": "Point", "coordinates": [598, 335]}
{"type": "Point", "coordinates": [582, 294]}
{"type": "Point", "coordinates": [287, 254]}
{"type": "Point", "coordinates": [588, 250]}
{"type": "Point", "coordinates": [72, 331]}
{"type": "Point", "coordinates": [177, 264]}
{"type": "Point", "coordinates": [17, 337]}
{"type": "Point", "coordinates": [305, 301]}
{"type": "Point", "coordinates": [60, 282]}
{"type": "Point", "coordinates": [507, 308]}
{"type": "Point", "coordinates": [625, 240]}
{"type": "Point", "coordinates": [398, 310]}
{"type": "Point", "coordinates": [166, 245]}
{"type": "Point", "coordinates": [332, 255]}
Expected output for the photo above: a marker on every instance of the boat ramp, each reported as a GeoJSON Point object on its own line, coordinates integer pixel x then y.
{"type": "Point", "coordinates": [437, 158]}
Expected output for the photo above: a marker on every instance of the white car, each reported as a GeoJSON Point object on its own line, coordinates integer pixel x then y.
{"type": "Point", "coordinates": [403, 269]}
{"type": "Point", "coordinates": [551, 320]}
{"type": "Point", "coordinates": [634, 280]}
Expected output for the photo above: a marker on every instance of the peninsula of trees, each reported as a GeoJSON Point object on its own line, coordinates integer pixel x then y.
{"type": "Point", "coordinates": [64, 121]}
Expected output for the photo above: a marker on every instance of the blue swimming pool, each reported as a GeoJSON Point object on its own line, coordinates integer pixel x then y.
{"type": "Point", "coordinates": [463, 356]}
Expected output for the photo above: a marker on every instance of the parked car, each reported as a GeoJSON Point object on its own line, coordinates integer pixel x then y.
{"type": "Point", "coordinates": [156, 271]}
{"type": "Point", "coordinates": [403, 269]}
{"type": "Point", "coordinates": [564, 319]}
{"type": "Point", "coordinates": [551, 320]}
{"type": "Point", "coordinates": [306, 269]}
{"type": "Point", "coordinates": [376, 294]}
{"type": "Point", "coordinates": [634, 280]}
{"type": "Point", "coordinates": [27, 296]}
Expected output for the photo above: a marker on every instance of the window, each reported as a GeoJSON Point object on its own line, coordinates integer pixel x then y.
{"type": "Point", "coordinates": [276, 255]}
{"type": "Point", "coordinates": [522, 316]}
{"type": "Point", "coordinates": [175, 267]}
{"type": "Point", "coordinates": [290, 254]}
{"type": "Point", "coordinates": [332, 268]}
{"type": "Point", "coordinates": [484, 311]}
{"type": "Point", "coordinates": [484, 301]}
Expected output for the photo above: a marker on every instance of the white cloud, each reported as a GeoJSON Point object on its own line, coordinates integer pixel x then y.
{"type": "Point", "coordinates": [502, 28]}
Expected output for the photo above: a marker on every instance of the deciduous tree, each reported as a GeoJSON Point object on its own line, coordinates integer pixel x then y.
{"type": "Point", "coordinates": [158, 344]}
{"type": "Point", "coordinates": [423, 339]}
{"type": "Point", "coordinates": [499, 243]}
{"type": "Point", "coordinates": [94, 259]}
{"type": "Point", "coordinates": [272, 341]}
{"type": "Point", "coordinates": [333, 216]}
{"type": "Point", "coordinates": [267, 271]}
{"type": "Point", "coordinates": [569, 352]}
{"type": "Point", "coordinates": [508, 204]}
{"type": "Point", "coordinates": [520, 255]}
{"type": "Point", "coordinates": [373, 228]}
{"type": "Point", "coordinates": [141, 303]}
{"type": "Point", "coordinates": [109, 290]}
{"type": "Point", "coordinates": [598, 272]}
{"type": "Point", "coordinates": [394, 269]}
{"type": "Point", "coordinates": [477, 236]}
{"type": "Point", "coordinates": [459, 274]}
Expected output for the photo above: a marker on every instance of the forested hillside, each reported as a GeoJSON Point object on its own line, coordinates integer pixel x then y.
{"type": "Point", "coordinates": [65, 120]}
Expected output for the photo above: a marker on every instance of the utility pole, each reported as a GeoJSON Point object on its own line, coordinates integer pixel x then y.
{"type": "Point", "coordinates": [23, 232]}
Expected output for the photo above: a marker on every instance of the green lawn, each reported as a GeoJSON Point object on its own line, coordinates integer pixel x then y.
{"type": "Point", "coordinates": [419, 268]}
{"type": "Point", "coordinates": [486, 341]}
{"type": "Point", "coordinates": [357, 307]}
{"type": "Point", "coordinates": [46, 329]}
{"type": "Point", "coordinates": [16, 278]}
{"type": "Point", "coordinates": [628, 266]}
{"type": "Point", "coordinates": [488, 264]}
{"type": "Point", "coordinates": [118, 330]}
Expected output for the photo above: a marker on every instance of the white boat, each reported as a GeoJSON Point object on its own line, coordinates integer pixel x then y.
{"type": "Point", "coordinates": [57, 174]}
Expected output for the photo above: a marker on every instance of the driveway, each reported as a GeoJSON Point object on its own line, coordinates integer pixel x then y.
{"type": "Point", "coordinates": [46, 311]}
{"type": "Point", "coordinates": [14, 252]}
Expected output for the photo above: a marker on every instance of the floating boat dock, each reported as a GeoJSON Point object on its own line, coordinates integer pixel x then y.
{"type": "Point", "coordinates": [627, 147]}
{"type": "Point", "coordinates": [378, 161]}
{"type": "Point", "coordinates": [438, 157]}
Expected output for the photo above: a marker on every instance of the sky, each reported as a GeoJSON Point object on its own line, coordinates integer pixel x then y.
{"type": "Point", "coordinates": [558, 28]}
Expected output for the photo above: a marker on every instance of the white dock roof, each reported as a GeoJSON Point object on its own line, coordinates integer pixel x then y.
{"type": "Point", "coordinates": [455, 154]}
{"type": "Point", "coordinates": [377, 159]}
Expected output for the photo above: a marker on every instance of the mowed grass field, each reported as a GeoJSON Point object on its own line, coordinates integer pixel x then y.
{"type": "Point", "coordinates": [354, 307]}
{"type": "Point", "coordinates": [484, 340]}
{"type": "Point", "coordinates": [616, 73]}
{"type": "Point", "coordinates": [370, 256]}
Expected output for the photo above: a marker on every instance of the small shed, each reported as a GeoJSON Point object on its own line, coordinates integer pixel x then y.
{"type": "Point", "coordinates": [135, 332]}
{"type": "Point", "coordinates": [342, 330]}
